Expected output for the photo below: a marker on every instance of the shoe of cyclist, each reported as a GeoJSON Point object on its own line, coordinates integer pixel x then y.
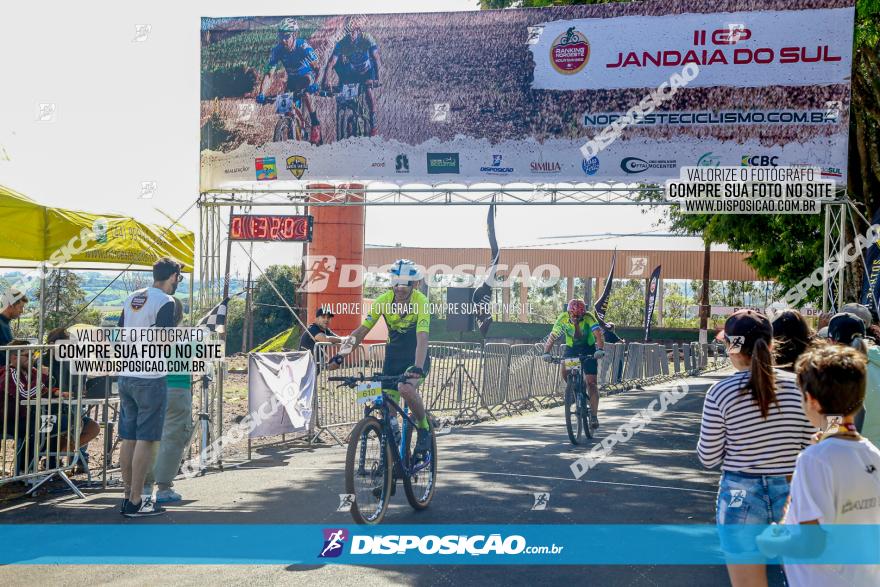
{"type": "Point", "coordinates": [423, 445]}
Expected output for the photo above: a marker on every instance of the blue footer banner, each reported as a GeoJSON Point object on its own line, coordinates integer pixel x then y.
{"type": "Point", "coordinates": [624, 544]}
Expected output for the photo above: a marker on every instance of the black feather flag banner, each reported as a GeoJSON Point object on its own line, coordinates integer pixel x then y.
{"type": "Point", "coordinates": [482, 297]}
{"type": "Point", "coordinates": [602, 302]}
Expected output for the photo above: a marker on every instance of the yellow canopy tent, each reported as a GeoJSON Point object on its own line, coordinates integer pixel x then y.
{"type": "Point", "coordinates": [56, 235]}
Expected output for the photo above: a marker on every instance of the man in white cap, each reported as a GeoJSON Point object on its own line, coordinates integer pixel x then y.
{"type": "Point", "coordinates": [12, 304]}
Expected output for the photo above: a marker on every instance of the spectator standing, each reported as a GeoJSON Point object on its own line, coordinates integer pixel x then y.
{"type": "Point", "coordinates": [841, 470]}
{"type": "Point", "coordinates": [13, 304]}
{"type": "Point", "coordinates": [318, 331]}
{"type": "Point", "coordinates": [791, 337]}
{"type": "Point", "coordinates": [143, 397]}
{"type": "Point", "coordinates": [754, 426]}
{"type": "Point", "coordinates": [848, 329]}
{"type": "Point", "coordinates": [176, 432]}
{"type": "Point", "coordinates": [22, 383]}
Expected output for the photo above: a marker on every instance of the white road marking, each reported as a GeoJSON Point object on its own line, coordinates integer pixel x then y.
{"type": "Point", "coordinates": [446, 472]}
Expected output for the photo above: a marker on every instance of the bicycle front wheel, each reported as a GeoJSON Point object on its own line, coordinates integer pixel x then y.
{"type": "Point", "coordinates": [586, 413]}
{"type": "Point", "coordinates": [368, 472]}
{"type": "Point", "coordinates": [344, 124]}
{"type": "Point", "coordinates": [283, 130]}
{"type": "Point", "coordinates": [573, 422]}
{"type": "Point", "coordinates": [419, 486]}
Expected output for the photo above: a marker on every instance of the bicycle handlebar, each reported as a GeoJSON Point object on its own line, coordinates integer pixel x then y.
{"type": "Point", "coordinates": [558, 360]}
{"type": "Point", "coordinates": [334, 91]}
{"type": "Point", "coordinates": [353, 380]}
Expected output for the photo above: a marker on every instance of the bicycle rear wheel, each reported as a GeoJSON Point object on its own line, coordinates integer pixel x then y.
{"type": "Point", "coordinates": [419, 486]}
{"type": "Point", "coordinates": [573, 422]}
{"type": "Point", "coordinates": [368, 472]}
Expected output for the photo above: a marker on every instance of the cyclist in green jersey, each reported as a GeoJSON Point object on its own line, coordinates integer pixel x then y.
{"type": "Point", "coordinates": [407, 316]}
{"type": "Point", "coordinates": [583, 336]}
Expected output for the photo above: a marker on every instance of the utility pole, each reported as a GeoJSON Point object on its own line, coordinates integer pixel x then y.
{"type": "Point", "coordinates": [705, 306]}
{"type": "Point", "coordinates": [247, 325]}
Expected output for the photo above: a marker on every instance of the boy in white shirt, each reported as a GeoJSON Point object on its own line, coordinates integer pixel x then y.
{"type": "Point", "coordinates": [837, 480]}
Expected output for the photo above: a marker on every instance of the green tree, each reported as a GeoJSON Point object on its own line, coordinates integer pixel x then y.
{"type": "Point", "coordinates": [675, 306]}
{"type": "Point", "coordinates": [626, 304]}
{"type": "Point", "coordinates": [270, 314]}
{"type": "Point", "coordinates": [63, 303]}
{"type": "Point", "coordinates": [234, 325]}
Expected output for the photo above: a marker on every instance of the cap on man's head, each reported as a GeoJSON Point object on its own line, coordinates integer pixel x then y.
{"type": "Point", "coordinates": [323, 312]}
{"type": "Point", "coordinates": [750, 326]}
{"type": "Point", "coordinates": [844, 327]}
{"type": "Point", "coordinates": [863, 312]}
{"type": "Point", "coordinates": [10, 297]}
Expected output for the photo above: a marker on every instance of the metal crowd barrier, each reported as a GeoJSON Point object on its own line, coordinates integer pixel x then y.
{"type": "Point", "coordinates": [467, 380]}
{"type": "Point", "coordinates": [42, 417]}
{"type": "Point", "coordinates": [456, 383]}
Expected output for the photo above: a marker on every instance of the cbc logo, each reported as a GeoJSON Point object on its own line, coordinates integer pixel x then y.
{"type": "Point", "coordinates": [760, 160]}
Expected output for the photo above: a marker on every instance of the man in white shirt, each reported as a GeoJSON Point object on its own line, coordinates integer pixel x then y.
{"type": "Point", "coordinates": [143, 396]}
{"type": "Point", "coordinates": [837, 480]}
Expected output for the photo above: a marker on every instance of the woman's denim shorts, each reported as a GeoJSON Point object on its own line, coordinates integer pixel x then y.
{"type": "Point", "coordinates": [748, 499]}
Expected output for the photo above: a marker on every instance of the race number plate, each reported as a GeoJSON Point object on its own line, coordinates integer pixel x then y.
{"type": "Point", "coordinates": [368, 392]}
{"type": "Point", "coordinates": [571, 363]}
{"type": "Point", "coordinates": [350, 91]}
{"type": "Point", "coordinates": [283, 104]}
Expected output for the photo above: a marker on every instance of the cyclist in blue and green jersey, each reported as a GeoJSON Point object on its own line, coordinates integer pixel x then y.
{"type": "Point", "coordinates": [408, 318]}
{"type": "Point", "coordinates": [583, 336]}
{"type": "Point", "coordinates": [297, 57]}
{"type": "Point", "coordinates": [355, 59]}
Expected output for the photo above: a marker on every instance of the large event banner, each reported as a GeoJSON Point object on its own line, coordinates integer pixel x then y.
{"type": "Point", "coordinates": [508, 96]}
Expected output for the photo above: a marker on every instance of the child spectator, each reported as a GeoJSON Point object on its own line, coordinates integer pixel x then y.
{"type": "Point", "coordinates": [837, 480]}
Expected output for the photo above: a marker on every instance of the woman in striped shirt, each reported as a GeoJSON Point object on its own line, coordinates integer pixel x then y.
{"type": "Point", "coordinates": [754, 426]}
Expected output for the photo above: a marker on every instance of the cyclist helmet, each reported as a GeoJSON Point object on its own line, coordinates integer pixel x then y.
{"type": "Point", "coordinates": [405, 272]}
{"type": "Point", "coordinates": [576, 309]}
{"type": "Point", "coordinates": [287, 26]}
{"type": "Point", "coordinates": [353, 23]}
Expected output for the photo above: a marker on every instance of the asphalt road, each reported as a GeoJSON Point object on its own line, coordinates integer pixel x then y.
{"type": "Point", "coordinates": [488, 473]}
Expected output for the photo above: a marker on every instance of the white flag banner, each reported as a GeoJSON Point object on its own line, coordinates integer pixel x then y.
{"type": "Point", "coordinates": [739, 49]}
{"type": "Point", "coordinates": [281, 388]}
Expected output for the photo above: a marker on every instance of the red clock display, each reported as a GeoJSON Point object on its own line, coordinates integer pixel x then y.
{"type": "Point", "coordinates": [262, 227]}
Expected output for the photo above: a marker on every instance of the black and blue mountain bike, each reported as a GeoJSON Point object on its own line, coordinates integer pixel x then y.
{"type": "Point", "coordinates": [578, 417]}
{"type": "Point", "coordinates": [380, 451]}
